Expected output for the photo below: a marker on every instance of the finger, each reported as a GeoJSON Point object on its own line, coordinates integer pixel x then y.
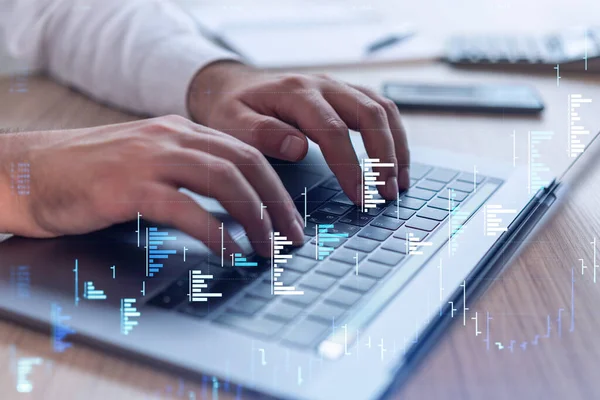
{"type": "Point", "coordinates": [221, 179]}
{"type": "Point", "coordinates": [398, 132]}
{"type": "Point", "coordinates": [270, 135]}
{"type": "Point", "coordinates": [292, 100]}
{"type": "Point", "coordinates": [259, 173]}
{"type": "Point", "coordinates": [365, 115]}
{"type": "Point", "coordinates": [173, 208]}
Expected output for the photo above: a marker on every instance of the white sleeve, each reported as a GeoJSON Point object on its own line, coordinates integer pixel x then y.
{"type": "Point", "coordinates": [139, 55]}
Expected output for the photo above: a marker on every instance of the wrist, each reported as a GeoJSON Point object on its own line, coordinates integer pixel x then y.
{"type": "Point", "coordinates": [210, 84]}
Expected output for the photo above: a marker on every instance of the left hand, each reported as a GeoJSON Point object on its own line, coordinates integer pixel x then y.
{"type": "Point", "coordinates": [276, 112]}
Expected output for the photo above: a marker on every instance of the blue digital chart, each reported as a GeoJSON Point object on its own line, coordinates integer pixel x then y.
{"type": "Point", "coordinates": [238, 260]}
{"type": "Point", "coordinates": [370, 182]}
{"type": "Point", "coordinates": [324, 240]}
{"type": "Point", "coordinates": [129, 315]}
{"type": "Point", "coordinates": [155, 255]}
{"type": "Point", "coordinates": [91, 293]}
{"type": "Point", "coordinates": [60, 329]}
{"type": "Point", "coordinates": [198, 284]}
{"type": "Point", "coordinates": [278, 260]}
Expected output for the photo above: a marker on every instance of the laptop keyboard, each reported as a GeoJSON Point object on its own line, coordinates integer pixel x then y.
{"type": "Point", "coordinates": [377, 239]}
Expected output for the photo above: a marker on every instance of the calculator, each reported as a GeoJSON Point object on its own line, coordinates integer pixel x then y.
{"type": "Point", "coordinates": [574, 49]}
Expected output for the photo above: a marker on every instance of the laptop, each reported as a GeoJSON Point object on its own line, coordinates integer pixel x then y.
{"type": "Point", "coordinates": [346, 315]}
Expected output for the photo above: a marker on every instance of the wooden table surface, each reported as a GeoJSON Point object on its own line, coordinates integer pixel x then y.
{"type": "Point", "coordinates": [532, 288]}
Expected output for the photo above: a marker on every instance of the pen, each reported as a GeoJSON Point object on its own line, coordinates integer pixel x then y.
{"type": "Point", "coordinates": [387, 41]}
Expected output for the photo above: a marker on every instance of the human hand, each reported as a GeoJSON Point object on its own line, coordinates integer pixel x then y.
{"type": "Point", "coordinates": [275, 113]}
{"type": "Point", "coordinates": [88, 179]}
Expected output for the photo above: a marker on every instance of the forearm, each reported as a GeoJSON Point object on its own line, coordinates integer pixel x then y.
{"type": "Point", "coordinates": [140, 55]}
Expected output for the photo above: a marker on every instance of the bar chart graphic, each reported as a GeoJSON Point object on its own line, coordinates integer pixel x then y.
{"type": "Point", "coordinates": [493, 221]}
{"type": "Point", "coordinates": [155, 254]}
{"type": "Point", "coordinates": [129, 315]}
{"type": "Point", "coordinates": [324, 239]}
{"type": "Point", "coordinates": [20, 178]}
{"type": "Point", "coordinates": [20, 280]}
{"type": "Point", "coordinates": [278, 259]}
{"type": "Point", "coordinates": [238, 260]}
{"type": "Point", "coordinates": [538, 170]}
{"type": "Point", "coordinates": [197, 284]}
{"type": "Point", "coordinates": [24, 367]}
{"type": "Point", "coordinates": [370, 182]}
{"type": "Point", "coordinates": [91, 293]}
{"type": "Point", "coordinates": [576, 129]}
{"type": "Point", "coordinates": [415, 244]}
{"type": "Point", "coordinates": [456, 224]}
{"type": "Point", "coordinates": [60, 329]}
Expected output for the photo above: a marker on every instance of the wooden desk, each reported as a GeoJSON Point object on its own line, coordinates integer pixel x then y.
{"type": "Point", "coordinates": [533, 287]}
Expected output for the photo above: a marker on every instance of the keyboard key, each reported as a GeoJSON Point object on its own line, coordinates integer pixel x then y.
{"type": "Point", "coordinates": [314, 199]}
{"type": "Point", "coordinates": [334, 208]}
{"type": "Point", "coordinates": [305, 299]}
{"type": "Point", "coordinates": [326, 312]}
{"type": "Point", "coordinates": [430, 185]}
{"type": "Point", "coordinates": [387, 223]}
{"type": "Point", "coordinates": [442, 175]}
{"type": "Point", "coordinates": [333, 268]}
{"type": "Point", "coordinates": [432, 213]}
{"type": "Point", "coordinates": [318, 281]}
{"type": "Point", "coordinates": [396, 245]}
{"type": "Point", "coordinates": [394, 211]}
{"type": "Point", "coordinates": [373, 212]}
{"type": "Point", "coordinates": [309, 229]}
{"type": "Point", "coordinates": [172, 296]}
{"type": "Point", "coordinates": [413, 204]}
{"type": "Point", "coordinates": [462, 186]}
{"type": "Point", "coordinates": [300, 264]}
{"type": "Point", "coordinates": [332, 184]}
{"type": "Point", "coordinates": [340, 241]}
{"type": "Point", "coordinates": [413, 182]}
{"type": "Point", "coordinates": [362, 244]}
{"type": "Point", "coordinates": [343, 297]}
{"type": "Point", "coordinates": [422, 223]}
{"type": "Point", "coordinates": [418, 171]}
{"type": "Point", "coordinates": [288, 277]}
{"type": "Point", "coordinates": [469, 178]}
{"type": "Point", "coordinates": [247, 305]}
{"type": "Point", "coordinates": [441, 204]}
{"type": "Point", "coordinates": [347, 256]}
{"type": "Point", "coordinates": [320, 217]}
{"type": "Point", "coordinates": [373, 270]}
{"type": "Point", "coordinates": [343, 199]}
{"type": "Point", "coordinates": [258, 326]}
{"type": "Point", "coordinates": [284, 311]}
{"type": "Point", "coordinates": [420, 194]}
{"type": "Point", "coordinates": [385, 257]}
{"type": "Point", "coordinates": [358, 283]}
{"type": "Point", "coordinates": [339, 227]}
{"type": "Point", "coordinates": [308, 251]}
{"type": "Point", "coordinates": [356, 217]}
{"type": "Point", "coordinates": [403, 232]}
{"type": "Point", "coordinates": [261, 290]}
{"type": "Point", "coordinates": [306, 332]}
{"type": "Point", "coordinates": [375, 233]}
{"type": "Point", "coordinates": [457, 196]}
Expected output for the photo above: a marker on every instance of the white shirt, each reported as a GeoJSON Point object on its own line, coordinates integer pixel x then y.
{"type": "Point", "coordinates": [139, 55]}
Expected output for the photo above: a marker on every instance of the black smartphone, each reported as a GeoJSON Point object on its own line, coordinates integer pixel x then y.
{"type": "Point", "coordinates": [509, 99]}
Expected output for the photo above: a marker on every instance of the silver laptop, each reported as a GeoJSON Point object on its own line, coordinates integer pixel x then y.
{"type": "Point", "coordinates": [347, 315]}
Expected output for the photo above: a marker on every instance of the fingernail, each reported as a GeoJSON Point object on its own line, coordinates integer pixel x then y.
{"type": "Point", "coordinates": [292, 148]}
{"type": "Point", "coordinates": [297, 232]}
{"type": "Point", "coordinates": [403, 178]}
{"type": "Point", "coordinates": [391, 187]}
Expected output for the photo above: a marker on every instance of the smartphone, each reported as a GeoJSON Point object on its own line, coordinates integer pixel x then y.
{"type": "Point", "coordinates": [506, 99]}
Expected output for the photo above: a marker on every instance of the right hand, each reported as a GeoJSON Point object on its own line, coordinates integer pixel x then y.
{"type": "Point", "coordinates": [88, 179]}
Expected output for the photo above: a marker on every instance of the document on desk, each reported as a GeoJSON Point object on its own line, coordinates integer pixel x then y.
{"type": "Point", "coordinates": [282, 37]}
